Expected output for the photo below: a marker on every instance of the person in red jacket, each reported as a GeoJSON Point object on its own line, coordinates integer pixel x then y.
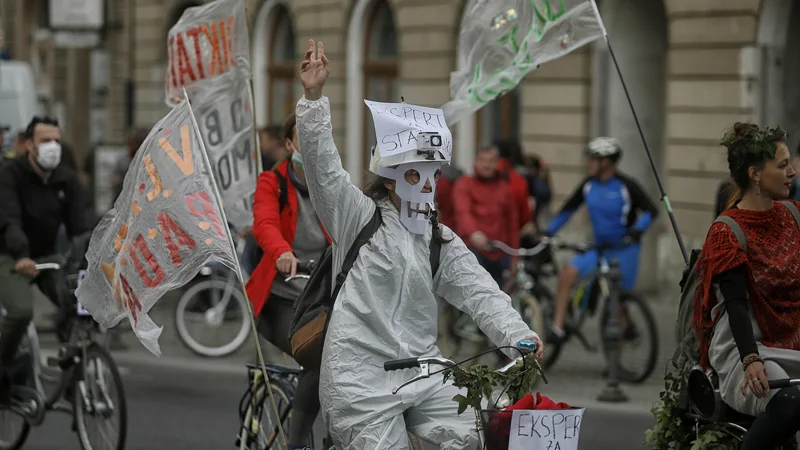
{"type": "Point", "coordinates": [487, 210]}
{"type": "Point", "coordinates": [287, 233]}
{"type": "Point", "coordinates": [444, 194]}
{"type": "Point", "coordinates": [511, 156]}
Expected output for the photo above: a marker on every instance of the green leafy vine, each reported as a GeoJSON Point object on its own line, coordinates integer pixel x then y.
{"type": "Point", "coordinates": [675, 429]}
{"type": "Point", "coordinates": [481, 382]}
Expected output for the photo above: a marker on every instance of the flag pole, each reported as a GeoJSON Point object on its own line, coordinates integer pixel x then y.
{"type": "Point", "coordinates": [661, 189]}
{"type": "Point", "coordinates": [237, 268]}
{"type": "Point", "coordinates": [259, 163]}
{"type": "Point", "coordinates": [663, 192]}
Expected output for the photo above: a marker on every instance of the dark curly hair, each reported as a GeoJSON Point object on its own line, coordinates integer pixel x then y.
{"type": "Point", "coordinates": [748, 146]}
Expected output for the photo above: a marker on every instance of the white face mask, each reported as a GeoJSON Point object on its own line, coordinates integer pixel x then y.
{"type": "Point", "coordinates": [296, 157]}
{"type": "Point", "coordinates": [415, 205]}
{"type": "Point", "coordinates": [49, 155]}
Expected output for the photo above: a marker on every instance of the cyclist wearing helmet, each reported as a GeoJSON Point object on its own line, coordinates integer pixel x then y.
{"type": "Point", "coordinates": [618, 209]}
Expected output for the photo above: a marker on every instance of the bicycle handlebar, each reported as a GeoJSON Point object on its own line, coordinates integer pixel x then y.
{"type": "Point", "coordinates": [579, 247]}
{"type": "Point", "coordinates": [303, 270]}
{"type": "Point", "coordinates": [525, 347]}
{"type": "Point", "coordinates": [44, 266]}
{"type": "Point", "coordinates": [784, 383]}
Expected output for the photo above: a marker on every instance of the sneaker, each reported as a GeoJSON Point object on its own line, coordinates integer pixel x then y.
{"type": "Point", "coordinates": [555, 336]}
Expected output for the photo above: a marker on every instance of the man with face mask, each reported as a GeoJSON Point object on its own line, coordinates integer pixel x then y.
{"type": "Point", "coordinates": [619, 211]}
{"type": "Point", "coordinates": [37, 196]}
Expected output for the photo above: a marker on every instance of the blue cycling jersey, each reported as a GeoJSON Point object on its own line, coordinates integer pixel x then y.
{"type": "Point", "coordinates": [616, 207]}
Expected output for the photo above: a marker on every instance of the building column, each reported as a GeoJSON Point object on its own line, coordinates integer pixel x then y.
{"type": "Point", "coordinates": [78, 101]}
{"type": "Point", "coordinates": [710, 85]}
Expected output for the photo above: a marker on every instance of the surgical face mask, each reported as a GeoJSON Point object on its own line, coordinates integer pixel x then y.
{"type": "Point", "coordinates": [297, 158]}
{"type": "Point", "coordinates": [49, 155]}
{"type": "Point", "coordinates": [410, 180]}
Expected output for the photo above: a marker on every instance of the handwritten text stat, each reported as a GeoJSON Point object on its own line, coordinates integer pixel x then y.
{"type": "Point", "coordinates": [398, 124]}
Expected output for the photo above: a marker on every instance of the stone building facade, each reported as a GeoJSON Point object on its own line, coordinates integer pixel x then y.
{"type": "Point", "coordinates": [692, 67]}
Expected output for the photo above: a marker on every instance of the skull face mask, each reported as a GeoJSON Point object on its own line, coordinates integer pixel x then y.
{"type": "Point", "coordinates": [415, 184]}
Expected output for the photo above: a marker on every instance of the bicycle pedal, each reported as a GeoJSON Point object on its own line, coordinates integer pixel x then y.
{"type": "Point", "coordinates": [29, 404]}
{"type": "Point", "coordinates": [52, 361]}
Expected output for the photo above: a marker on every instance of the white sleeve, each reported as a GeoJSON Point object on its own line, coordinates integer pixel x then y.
{"type": "Point", "coordinates": [340, 205]}
{"type": "Point", "coordinates": [467, 286]}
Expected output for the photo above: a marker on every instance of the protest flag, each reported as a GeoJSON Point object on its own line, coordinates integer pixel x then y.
{"type": "Point", "coordinates": [166, 224]}
{"type": "Point", "coordinates": [209, 57]}
{"type": "Point", "coordinates": [504, 40]}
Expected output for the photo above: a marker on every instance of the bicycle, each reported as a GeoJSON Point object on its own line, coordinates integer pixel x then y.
{"type": "Point", "coordinates": [708, 411]}
{"type": "Point", "coordinates": [490, 403]}
{"type": "Point", "coordinates": [76, 383]}
{"type": "Point", "coordinates": [258, 434]}
{"type": "Point", "coordinates": [521, 290]}
{"type": "Point", "coordinates": [590, 293]}
{"type": "Point", "coordinates": [216, 305]}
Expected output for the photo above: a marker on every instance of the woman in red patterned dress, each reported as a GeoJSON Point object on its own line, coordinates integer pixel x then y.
{"type": "Point", "coordinates": [747, 311]}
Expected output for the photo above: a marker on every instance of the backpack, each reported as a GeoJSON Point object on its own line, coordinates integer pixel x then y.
{"type": "Point", "coordinates": [312, 310]}
{"type": "Point", "coordinates": [688, 341]}
{"type": "Point", "coordinates": [252, 251]}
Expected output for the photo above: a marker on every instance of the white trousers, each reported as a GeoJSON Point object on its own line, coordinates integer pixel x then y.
{"type": "Point", "coordinates": [433, 420]}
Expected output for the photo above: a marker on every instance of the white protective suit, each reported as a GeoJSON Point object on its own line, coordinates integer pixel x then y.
{"type": "Point", "coordinates": [387, 310]}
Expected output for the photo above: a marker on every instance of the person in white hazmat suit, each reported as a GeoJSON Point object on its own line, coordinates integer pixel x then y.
{"type": "Point", "coordinates": [387, 307]}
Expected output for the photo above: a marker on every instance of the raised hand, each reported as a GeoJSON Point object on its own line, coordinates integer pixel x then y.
{"type": "Point", "coordinates": [314, 70]}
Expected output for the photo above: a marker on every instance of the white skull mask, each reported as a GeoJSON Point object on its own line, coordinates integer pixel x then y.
{"type": "Point", "coordinates": [410, 181]}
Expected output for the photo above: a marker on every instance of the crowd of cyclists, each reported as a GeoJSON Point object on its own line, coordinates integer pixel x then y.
{"type": "Point", "coordinates": [387, 309]}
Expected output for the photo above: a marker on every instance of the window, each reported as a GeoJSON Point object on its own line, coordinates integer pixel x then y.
{"type": "Point", "coordinates": [499, 119]}
{"type": "Point", "coordinates": [380, 66]}
{"type": "Point", "coordinates": [281, 67]}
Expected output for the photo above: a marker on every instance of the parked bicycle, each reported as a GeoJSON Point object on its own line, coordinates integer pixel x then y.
{"type": "Point", "coordinates": [593, 293]}
{"type": "Point", "coordinates": [212, 316]}
{"type": "Point", "coordinates": [82, 380]}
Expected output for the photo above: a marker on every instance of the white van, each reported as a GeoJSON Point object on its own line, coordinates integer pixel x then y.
{"type": "Point", "coordinates": [18, 96]}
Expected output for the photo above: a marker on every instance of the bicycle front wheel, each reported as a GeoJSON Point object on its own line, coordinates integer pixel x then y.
{"type": "Point", "coordinates": [100, 400]}
{"type": "Point", "coordinates": [639, 346]}
{"type": "Point", "coordinates": [14, 429]}
{"type": "Point", "coordinates": [260, 425]}
{"type": "Point", "coordinates": [212, 318]}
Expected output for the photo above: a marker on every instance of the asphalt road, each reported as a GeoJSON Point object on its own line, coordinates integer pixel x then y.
{"type": "Point", "coordinates": [194, 408]}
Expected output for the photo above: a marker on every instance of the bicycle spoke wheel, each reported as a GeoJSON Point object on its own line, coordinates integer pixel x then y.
{"type": "Point", "coordinates": [267, 436]}
{"type": "Point", "coordinates": [552, 350]}
{"type": "Point", "coordinates": [99, 405]}
{"type": "Point", "coordinates": [639, 346]}
{"type": "Point", "coordinates": [14, 429]}
{"type": "Point", "coordinates": [212, 318]}
{"type": "Point", "coordinates": [532, 314]}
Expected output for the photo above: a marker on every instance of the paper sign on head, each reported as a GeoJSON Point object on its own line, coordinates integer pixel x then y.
{"type": "Point", "coordinates": [413, 143]}
{"type": "Point", "coordinates": [401, 128]}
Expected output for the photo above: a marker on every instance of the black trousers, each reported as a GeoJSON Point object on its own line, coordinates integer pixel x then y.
{"type": "Point", "coordinates": [274, 324]}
